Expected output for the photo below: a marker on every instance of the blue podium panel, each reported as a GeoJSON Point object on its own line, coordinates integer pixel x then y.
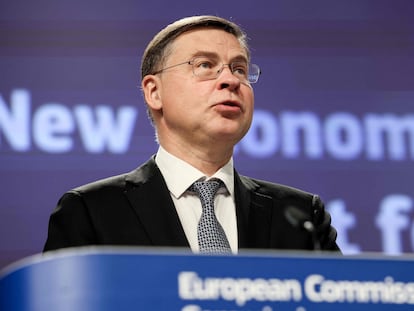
{"type": "Point", "coordinates": [136, 279]}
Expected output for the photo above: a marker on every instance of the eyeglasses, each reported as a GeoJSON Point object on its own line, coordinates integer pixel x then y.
{"type": "Point", "coordinates": [208, 69]}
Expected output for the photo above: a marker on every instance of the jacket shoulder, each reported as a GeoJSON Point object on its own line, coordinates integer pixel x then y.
{"type": "Point", "coordinates": [120, 181]}
{"type": "Point", "coordinates": [117, 181]}
{"type": "Point", "coordinates": [275, 190]}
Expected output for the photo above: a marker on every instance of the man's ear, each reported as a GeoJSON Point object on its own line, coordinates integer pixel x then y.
{"type": "Point", "coordinates": [151, 86]}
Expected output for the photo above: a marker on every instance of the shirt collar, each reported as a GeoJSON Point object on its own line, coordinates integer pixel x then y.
{"type": "Point", "coordinates": [179, 175]}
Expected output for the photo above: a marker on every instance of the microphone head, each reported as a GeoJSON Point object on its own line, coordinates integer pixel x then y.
{"type": "Point", "coordinates": [298, 218]}
{"type": "Point", "coordinates": [295, 216]}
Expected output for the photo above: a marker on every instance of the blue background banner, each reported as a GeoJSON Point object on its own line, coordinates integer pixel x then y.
{"type": "Point", "coordinates": [334, 107]}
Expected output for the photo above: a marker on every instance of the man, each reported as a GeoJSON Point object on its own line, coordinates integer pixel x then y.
{"type": "Point", "coordinates": [197, 83]}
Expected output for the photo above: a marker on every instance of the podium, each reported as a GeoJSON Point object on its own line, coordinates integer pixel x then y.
{"type": "Point", "coordinates": [89, 279]}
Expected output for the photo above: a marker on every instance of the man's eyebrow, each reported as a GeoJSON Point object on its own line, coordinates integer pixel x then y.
{"type": "Point", "coordinates": [240, 58]}
{"type": "Point", "coordinates": [215, 56]}
{"type": "Point", "coordinates": [208, 54]}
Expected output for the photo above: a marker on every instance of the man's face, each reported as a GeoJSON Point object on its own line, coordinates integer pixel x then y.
{"type": "Point", "coordinates": [193, 111]}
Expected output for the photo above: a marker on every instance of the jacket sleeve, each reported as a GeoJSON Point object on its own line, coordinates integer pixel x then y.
{"type": "Point", "coordinates": [70, 224]}
{"type": "Point", "coordinates": [326, 234]}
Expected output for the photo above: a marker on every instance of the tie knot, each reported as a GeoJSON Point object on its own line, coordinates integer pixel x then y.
{"type": "Point", "coordinates": [207, 189]}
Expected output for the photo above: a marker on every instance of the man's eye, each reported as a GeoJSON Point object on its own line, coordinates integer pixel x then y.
{"type": "Point", "coordinates": [240, 70]}
{"type": "Point", "coordinates": [205, 65]}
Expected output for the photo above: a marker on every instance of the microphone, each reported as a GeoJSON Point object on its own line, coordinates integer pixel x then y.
{"type": "Point", "coordinates": [299, 219]}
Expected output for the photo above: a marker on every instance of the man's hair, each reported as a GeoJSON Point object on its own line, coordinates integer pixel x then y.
{"type": "Point", "coordinates": [157, 50]}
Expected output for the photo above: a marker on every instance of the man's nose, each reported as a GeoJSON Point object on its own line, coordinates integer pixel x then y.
{"type": "Point", "coordinates": [227, 78]}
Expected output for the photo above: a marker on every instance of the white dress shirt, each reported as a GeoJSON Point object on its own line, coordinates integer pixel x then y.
{"type": "Point", "coordinates": [179, 176]}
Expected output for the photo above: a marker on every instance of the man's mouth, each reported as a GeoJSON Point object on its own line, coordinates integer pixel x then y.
{"type": "Point", "coordinates": [231, 104]}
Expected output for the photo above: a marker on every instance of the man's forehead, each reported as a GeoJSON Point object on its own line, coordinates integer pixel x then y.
{"type": "Point", "coordinates": [201, 33]}
{"type": "Point", "coordinates": [208, 40]}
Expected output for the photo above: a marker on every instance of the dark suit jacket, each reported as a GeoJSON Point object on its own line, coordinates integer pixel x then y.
{"type": "Point", "coordinates": [136, 209]}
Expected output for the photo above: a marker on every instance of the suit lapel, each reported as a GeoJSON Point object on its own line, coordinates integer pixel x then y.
{"type": "Point", "coordinates": [254, 214]}
{"type": "Point", "coordinates": [148, 194]}
{"type": "Point", "coordinates": [151, 200]}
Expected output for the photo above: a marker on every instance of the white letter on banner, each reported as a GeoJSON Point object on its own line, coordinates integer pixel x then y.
{"type": "Point", "coordinates": [343, 221]}
{"type": "Point", "coordinates": [185, 284]}
{"type": "Point", "coordinates": [343, 136]}
{"type": "Point", "coordinates": [262, 139]}
{"type": "Point", "coordinates": [51, 125]}
{"type": "Point", "coordinates": [312, 284]}
{"type": "Point", "coordinates": [15, 123]}
{"type": "Point", "coordinates": [398, 130]}
{"type": "Point", "coordinates": [298, 125]}
{"type": "Point", "coordinates": [99, 129]}
{"type": "Point", "coordinates": [391, 221]}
